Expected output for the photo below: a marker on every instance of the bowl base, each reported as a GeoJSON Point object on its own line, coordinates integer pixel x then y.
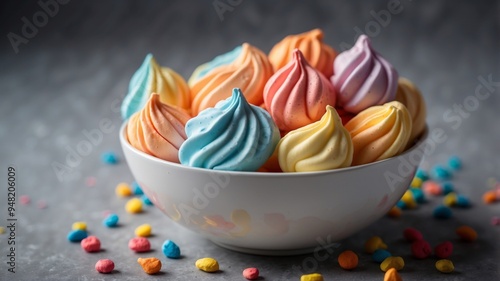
{"type": "Point", "coordinates": [269, 252]}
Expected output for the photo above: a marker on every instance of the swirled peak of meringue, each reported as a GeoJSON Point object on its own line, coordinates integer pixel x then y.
{"type": "Point", "coordinates": [409, 95]}
{"type": "Point", "coordinates": [249, 72]}
{"type": "Point", "coordinates": [363, 78]}
{"type": "Point", "coordinates": [219, 60]}
{"type": "Point", "coordinates": [322, 145]}
{"type": "Point", "coordinates": [233, 136]}
{"type": "Point", "coordinates": [297, 94]}
{"type": "Point", "coordinates": [317, 53]}
{"type": "Point", "coordinates": [379, 132]}
{"type": "Point", "coordinates": [158, 129]}
{"type": "Point", "coordinates": [152, 78]}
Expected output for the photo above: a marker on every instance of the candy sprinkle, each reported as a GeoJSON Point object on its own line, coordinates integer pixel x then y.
{"type": "Point", "coordinates": [412, 234]}
{"type": "Point", "coordinates": [123, 190]}
{"type": "Point", "coordinates": [494, 221]}
{"type": "Point", "coordinates": [81, 225]}
{"type": "Point", "coordinates": [109, 158]}
{"type": "Point", "coordinates": [143, 230]}
{"type": "Point", "coordinates": [394, 212]}
{"type": "Point", "coordinates": [392, 275]}
{"type": "Point", "coordinates": [489, 197]}
{"type": "Point", "coordinates": [146, 200]}
{"type": "Point", "coordinates": [348, 260]}
{"type": "Point", "coordinates": [111, 220]}
{"type": "Point", "coordinates": [150, 265]}
{"type": "Point", "coordinates": [251, 273]}
{"type": "Point", "coordinates": [444, 250]}
{"type": "Point", "coordinates": [24, 199]}
{"type": "Point", "coordinates": [380, 255]}
{"type": "Point", "coordinates": [139, 244]}
{"type": "Point", "coordinates": [442, 212]}
{"type": "Point", "coordinates": [104, 266]}
{"type": "Point", "coordinates": [466, 233]}
{"type": "Point", "coordinates": [91, 244]}
{"type": "Point", "coordinates": [311, 277]}
{"type": "Point", "coordinates": [137, 189]}
{"type": "Point", "coordinates": [134, 206]}
{"type": "Point", "coordinates": [77, 235]}
{"type": "Point", "coordinates": [392, 262]}
{"type": "Point", "coordinates": [421, 249]}
{"type": "Point", "coordinates": [207, 265]}
{"type": "Point", "coordinates": [171, 250]}
{"type": "Point", "coordinates": [445, 266]}
{"type": "Point", "coordinates": [422, 174]}
{"type": "Point", "coordinates": [373, 244]}
{"type": "Point", "coordinates": [455, 163]}
{"type": "Point", "coordinates": [440, 173]}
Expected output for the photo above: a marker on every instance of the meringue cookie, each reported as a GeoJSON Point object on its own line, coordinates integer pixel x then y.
{"type": "Point", "coordinates": [362, 78]}
{"type": "Point", "coordinates": [322, 145]}
{"type": "Point", "coordinates": [232, 136]}
{"type": "Point", "coordinates": [219, 60]}
{"type": "Point", "coordinates": [297, 94]}
{"type": "Point", "coordinates": [379, 132]}
{"type": "Point", "coordinates": [249, 72]}
{"type": "Point", "coordinates": [409, 95]}
{"type": "Point", "coordinates": [151, 78]}
{"type": "Point", "coordinates": [318, 54]}
{"type": "Point", "coordinates": [158, 129]}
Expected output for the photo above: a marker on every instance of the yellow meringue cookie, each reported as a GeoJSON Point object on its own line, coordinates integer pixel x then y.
{"type": "Point", "coordinates": [379, 132]}
{"type": "Point", "coordinates": [409, 95]}
{"type": "Point", "coordinates": [322, 145]}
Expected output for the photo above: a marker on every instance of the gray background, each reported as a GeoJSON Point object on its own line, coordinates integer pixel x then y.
{"type": "Point", "coordinates": [75, 70]}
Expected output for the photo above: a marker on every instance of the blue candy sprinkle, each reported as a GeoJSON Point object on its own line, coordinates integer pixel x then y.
{"type": "Point", "coordinates": [137, 189]}
{"type": "Point", "coordinates": [171, 250]}
{"type": "Point", "coordinates": [77, 235]}
{"type": "Point", "coordinates": [447, 187]}
{"type": "Point", "coordinates": [418, 195]}
{"type": "Point", "coordinates": [455, 163]}
{"type": "Point", "coordinates": [440, 173]}
{"type": "Point", "coordinates": [401, 204]}
{"type": "Point", "coordinates": [422, 174]}
{"type": "Point", "coordinates": [109, 158]}
{"type": "Point", "coordinates": [442, 212]}
{"type": "Point", "coordinates": [380, 255]}
{"type": "Point", "coordinates": [111, 220]}
{"type": "Point", "coordinates": [146, 200]}
{"type": "Point", "coordinates": [462, 201]}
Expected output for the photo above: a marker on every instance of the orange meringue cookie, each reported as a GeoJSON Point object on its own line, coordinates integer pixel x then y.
{"type": "Point", "coordinates": [409, 95]}
{"type": "Point", "coordinates": [318, 54]}
{"type": "Point", "coordinates": [379, 132]}
{"type": "Point", "coordinates": [249, 72]}
{"type": "Point", "coordinates": [158, 129]}
{"type": "Point", "coordinates": [297, 94]}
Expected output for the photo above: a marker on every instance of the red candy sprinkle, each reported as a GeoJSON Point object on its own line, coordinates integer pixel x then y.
{"type": "Point", "coordinates": [91, 244]}
{"type": "Point", "coordinates": [104, 266]}
{"type": "Point", "coordinates": [251, 273]}
{"type": "Point", "coordinates": [444, 250]}
{"type": "Point", "coordinates": [139, 244]}
{"type": "Point", "coordinates": [421, 249]}
{"type": "Point", "coordinates": [412, 235]}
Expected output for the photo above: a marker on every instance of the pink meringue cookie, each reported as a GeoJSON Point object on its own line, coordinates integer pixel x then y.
{"type": "Point", "coordinates": [362, 78]}
{"type": "Point", "coordinates": [297, 94]}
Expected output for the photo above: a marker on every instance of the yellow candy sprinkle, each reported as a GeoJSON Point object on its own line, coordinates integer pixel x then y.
{"type": "Point", "coordinates": [416, 182]}
{"type": "Point", "coordinates": [374, 243]}
{"type": "Point", "coordinates": [123, 190]}
{"type": "Point", "coordinates": [79, 225]}
{"type": "Point", "coordinates": [394, 212]}
{"type": "Point", "coordinates": [207, 265]}
{"type": "Point", "coordinates": [445, 266]}
{"type": "Point", "coordinates": [143, 230]}
{"type": "Point", "coordinates": [2, 230]}
{"type": "Point", "coordinates": [409, 200]}
{"type": "Point", "coordinates": [392, 262]}
{"type": "Point", "coordinates": [450, 199]}
{"type": "Point", "coordinates": [134, 206]}
{"type": "Point", "coordinates": [311, 277]}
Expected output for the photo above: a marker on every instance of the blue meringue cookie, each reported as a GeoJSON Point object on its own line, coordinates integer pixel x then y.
{"type": "Point", "coordinates": [232, 136]}
{"type": "Point", "coordinates": [219, 60]}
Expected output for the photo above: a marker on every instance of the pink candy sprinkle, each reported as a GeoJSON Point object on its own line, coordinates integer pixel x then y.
{"type": "Point", "coordinates": [432, 187]}
{"type": "Point", "coordinates": [90, 181]}
{"type": "Point", "coordinates": [91, 244]}
{"type": "Point", "coordinates": [104, 266]}
{"type": "Point", "coordinates": [411, 234]}
{"type": "Point", "coordinates": [251, 273]}
{"type": "Point", "coordinates": [139, 244]}
{"type": "Point", "coordinates": [24, 199]}
{"type": "Point", "coordinates": [421, 249]}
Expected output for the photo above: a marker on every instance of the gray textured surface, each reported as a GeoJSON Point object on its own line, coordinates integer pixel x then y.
{"type": "Point", "coordinates": [70, 76]}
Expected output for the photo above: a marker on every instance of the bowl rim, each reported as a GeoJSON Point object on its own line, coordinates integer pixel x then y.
{"type": "Point", "coordinates": [124, 142]}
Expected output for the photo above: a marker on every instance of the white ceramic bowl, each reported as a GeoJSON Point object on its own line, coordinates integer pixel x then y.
{"type": "Point", "coordinates": [273, 213]}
